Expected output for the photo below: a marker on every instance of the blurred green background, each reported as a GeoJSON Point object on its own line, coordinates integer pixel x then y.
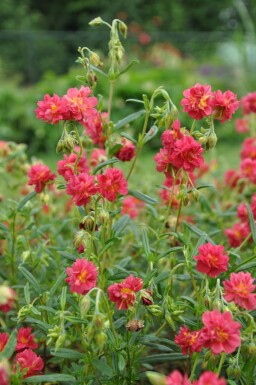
{"type": "Point", "coordinates": [177, 42]}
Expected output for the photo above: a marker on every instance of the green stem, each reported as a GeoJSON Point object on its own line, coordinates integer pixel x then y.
{"type": "Point", "coordinates": [178, 215]}
{"type": "Point", "coordinates": [13, 248]}
{"type": "Point", "coordinates": [110, 97]}
{"type": "Point", "coordinates": [194, 367]}
{"type": "Point", "coordinates": [222, 359]}
{"type": "Point", "coordinates": [140, 144]}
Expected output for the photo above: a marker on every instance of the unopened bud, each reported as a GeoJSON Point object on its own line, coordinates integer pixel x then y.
{"type": "Point", "coordinates": [103, 216]}
{"type": "Point", "coordinates": [87, 223]}
{"type": "Point", "coordinates": [85, 306]}
{"type": "Point", "coordinates": [146, 297]}
{"type": "Point", "coordinates": [123, 28]}
{"type": "Point", "coordinates": [156, 378]}
{"type": "Point", "coordinates": [96, 22]}
{"type": "Point", "coordinates": [211, 141]}
{"type": "Point", "coordinates": [81, 238]}
{"type": "Point", "coordinates": [135, 325]}
{"type": "Point", "coordinates": [100, 339]}
{"type": "Point", "coordinates": [155, 310]}
{"type": "Point", "coordinates": [4, 372]}
{"type": "Point", "coordinates": [95, 59]}
{"type": "Point", "coordinates": [25, 255]}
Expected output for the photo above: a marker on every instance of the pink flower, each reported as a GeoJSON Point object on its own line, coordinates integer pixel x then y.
{"type": "Point", "coordinates": [127, 151]}
{"type": "Point", "coordinates": [52, 109]}
{"type": "Point", "coordinates": [232, 178]}
{"type": "Point", "coordinates": [220, 333]}
{"type": "Point", "coordinates": [248, 103]}
{"type": "Point", "coordinates": [242, 125]}
{"type": "Point", "coordinates": [132, 206]}
{"type": "Point", "coordinates": [98, 155]}
{"type": "Point", "coordinates": [4, 373]}
{"type": "Point", "coordinates": [29, 363]}
{"type": "Point", "coordinates": [123, 294]}
{"type": "Point", "coordinates": [7, 298]}
{"type": "Point", "coordinates": [249, 148]}
{"type": "Point", "coordinates": [211, 260]}
{"type": "Point", "coordinates": [239, 289]}
{"type": "Point", "coordinates": [111, 183]}
{"type": "Point", "coordinates": [242, 212]}
{"type": "Point", "coordinates": [171, 135]}
{"type": "Point", "coordinates": [187, 154]}
{"type": "Point", "coordinates": [3, 340]}
{"type": "Point", "coordinates": [40, 176]}
{"type": "Point", "coordinates": [80, 105]}
{"type": "Point", "coordinates": [188, 340]}
{"type": "Point", "coordinates": [81, 187]}
{"type": "Point", "coordinates": [166, 194]}
{"type": "Point", "coordinates": [176, 378]}
{"type": "Point", "coordinates": [248, 169]}
{"type": "Point", "coordinates": [94, 125]}
{"type": "Point", "coordinates": [224, 105]}
{"type": "Point", "coordinates": [66, 166]}
{"type": "Point", "coordinates": [210, 378]}
{"type": "Point", "coordinates": [82, 276]}
{"type": "Point", "coordinates": [198, 101]}
{"type": "Point", "coordinates": [237, 233]}
{"type": "Point", "coordinates": [163, 159]}
{"type": "Point", "coordinates": [25, 339]}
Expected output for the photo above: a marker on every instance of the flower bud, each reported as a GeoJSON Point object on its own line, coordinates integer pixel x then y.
{"type": "Point", "coordinates": [96, 22]}
{"type": "Point", "coordinates": [135, 325]}
{"type": "Point", "coordinates": [100, 340]}
{"type": "Point", "coordinates": [95, 59]}
{"type": "Point", "coordinates": [156, 378]}
{"type": "Point", "coordinates": [103, 216]}
{"type": "Point", "coordinates": [87, 223]}
{"type": "Point", "coordinates": [85, 306]}
{"type": "Point", "coordinates": [146, 297]}
{"type": "Point", "coordinates": [155, 310]}
{"type": "Point", "coordinates": [211, 141]}
{"type": "Point", "coordinates": [25, 255]}
{"type": "Point", "coordinates": [123, 28]}
{"type": "Point", "coordinates": [4, 372]}
{"type": "Point", "coordinates": [81, 239]}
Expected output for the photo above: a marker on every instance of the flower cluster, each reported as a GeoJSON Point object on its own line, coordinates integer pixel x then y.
{"type": "Point", "coordinates": [26, 360]}
{"type": "Point", "coordinates": [207, 378]}
{"type": "Point", "coordinates": [220, 333]}
{"type": "Point", "coordinates": [40, 175]}
{"type": "Point", "coordinates": [180, 151]}
{"type": "Point", "coordinates": [199, 102]}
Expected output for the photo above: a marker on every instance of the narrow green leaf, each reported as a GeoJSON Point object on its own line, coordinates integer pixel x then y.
{"type": "Point", "coordinates": [203, 186]}
{"type": "Point", "coordinates": [251, 221]}
{"type": "Point", "coordinates": [199, 232]}
{"type": "Point", "coordinates": [40, 324]}
{"type": "Point", "coordinates": [61, 187]}
{"type": "Point", "coordinates": [129, 65]}
{"type": "Point", "coordinates": [30, 278]}
{"type": "Point", "coordinates": [68, 353]}
{"type": "Point", "coordinates": [4, 228]}
{"type": "Point", "coordinates": [120, 224]}
{"type": "Point", "coordinates": [96, 69]}
{"type": "Point", "coordinates": [164, 357]}
{"type": "Point", "coordinates": [145, 242]}
{"type": "Point", "coordinates": [26, 199]}
{"type": "Point", "coordinates": [129, 137]}
{"type": "Point", "coordinates": [50, 378]}
{"type": "Point", "coordinates": [102, 367]}
{"type": "Point", "coordinates": [171, 250]}
{"type": "Point", "coordinates": [242, 265]}
{"type": "Point", "coordinates": [128, 119]}
{"type": "Point", "coordinates": [67, 255]}
{"type": "Point", "coordinates": [142, 197]}
{"type": "Point", "coordinates": [103, 164]}
{"type": "Point", "coordinates": [27, 293]}
{"type": "Point", "coordinates": [10, 346]}
{"type": "Point", "coordinates": [57, 283]}
{"type": "Point", "coordinates": [135, 101]}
